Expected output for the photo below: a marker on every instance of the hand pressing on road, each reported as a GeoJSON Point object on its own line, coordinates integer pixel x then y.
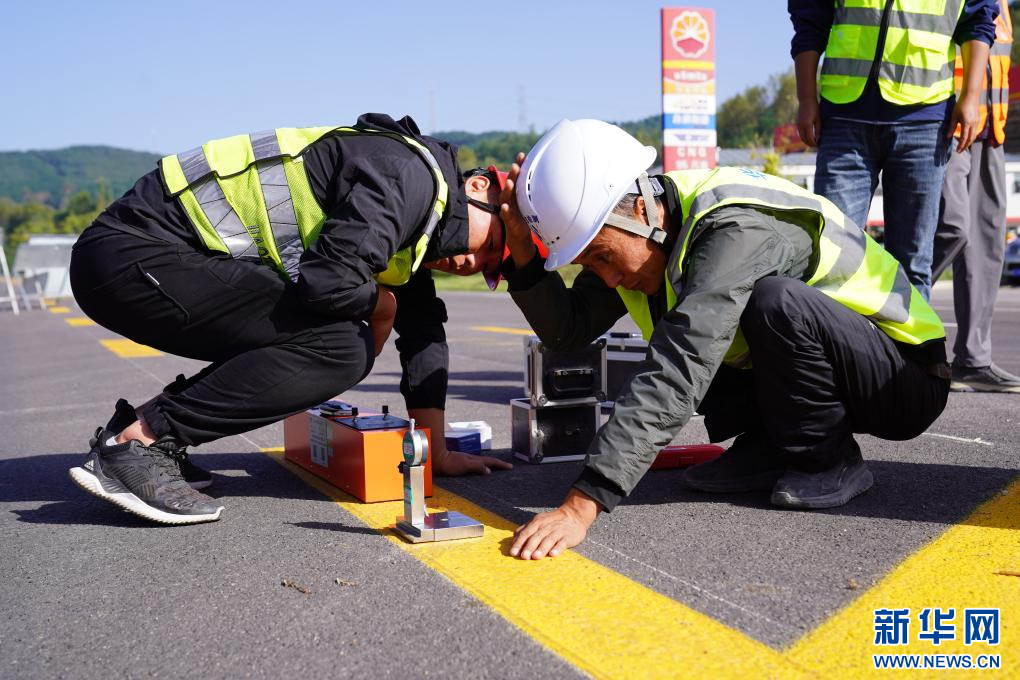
{"type": "Point", "coordinates": [550, 533]}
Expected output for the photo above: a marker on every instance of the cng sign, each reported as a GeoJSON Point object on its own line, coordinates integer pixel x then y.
{"type": "Point", "coordinates": [688, 88]}
{"type": "Point", "coordinates": [690, 34]}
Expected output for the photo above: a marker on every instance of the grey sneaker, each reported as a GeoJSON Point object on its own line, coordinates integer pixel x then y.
{"type": "Point", "coordinates": [144, 480]}
{"type": "Point", "coordinates": [828, 489]}
{"type": "Point", "coordinates": [748, 465]}
{"type": "Point", "coordinates": [984, 379]}
{"type": "Point", "coordinates": [124, 415]}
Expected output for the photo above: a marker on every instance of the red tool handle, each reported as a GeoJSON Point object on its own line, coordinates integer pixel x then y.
{"type": "Point", "coordinates": [686, 455]}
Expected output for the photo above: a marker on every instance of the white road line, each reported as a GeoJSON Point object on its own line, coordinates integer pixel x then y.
{"type": "Point", "coordinates": [977, 440]}
{"type": "Point", "coordinates": [693, 586]}
{"type": "Point", "coordinates": [48, 409]}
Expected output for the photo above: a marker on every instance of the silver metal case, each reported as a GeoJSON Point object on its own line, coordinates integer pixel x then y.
{"type": "Point", "coordinates": [557, 378]}
{"type": "Point", "coordinates": [553, 434]}
{"type": "Point", "coordinates": [624, 354]}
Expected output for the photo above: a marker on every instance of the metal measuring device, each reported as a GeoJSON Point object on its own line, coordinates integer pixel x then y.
{"type": "Point", "coordinates": [417, 525]}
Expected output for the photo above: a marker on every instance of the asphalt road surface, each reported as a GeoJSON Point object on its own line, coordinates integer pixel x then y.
{"type": "Point", "coordinates": [672, 583]}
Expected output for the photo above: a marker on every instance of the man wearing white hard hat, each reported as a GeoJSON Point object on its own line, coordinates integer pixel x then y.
{"type": "Point", "coordinates": [766, 309]}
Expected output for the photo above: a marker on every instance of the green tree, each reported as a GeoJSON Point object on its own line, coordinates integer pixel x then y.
{"type": "Point", "coordinates": [783, 90]}
{"type": "Point", "coordinates": [738, 119]}
{"type": "Point", "coordinates": [104, 197]}
{"type": "Point", "coordinates": [466, 158]}
{"type": "Point", "coordinates": [81, 203]}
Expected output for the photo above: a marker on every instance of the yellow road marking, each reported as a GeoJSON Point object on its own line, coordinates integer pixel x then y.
{"type": "Point", "coordinates": [59, 310]}
{"type": "Point", "coordinates": [129, 349]}
{"type": "Point", "coordinates": [957, 569]}
{"type": "Point", "coordinates": [610, 626]}
{"type": "Point", "coordinates": [79, 321]}
{"type": "Point", "coordinates": [501, 329]}
{"type": "Point", "coordinates": [595, 618]}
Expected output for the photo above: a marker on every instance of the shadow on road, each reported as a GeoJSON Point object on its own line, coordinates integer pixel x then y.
{"type": "Point", "coordinates": [915, 492]}
{"type": "Point", "coordinates": [934, 493]}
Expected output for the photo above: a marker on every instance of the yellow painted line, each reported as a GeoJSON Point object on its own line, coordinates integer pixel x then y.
{"type": "Point", "coordinates": [79, 321]}
{"type": "Point", "coordinates": [598, 620]}
{"type": "Point", "coordinates": [129, 349]}
{"type": "Point", "coordinates": [610, 626]}
{"type": "Point", "coordinates": [501, 329]}
{"type": "Point", "coordinates": [957, 569]}
{"type": "Point", "coordinates": [59, 310]}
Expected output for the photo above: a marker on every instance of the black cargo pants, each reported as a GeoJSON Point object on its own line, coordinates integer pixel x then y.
{"type": "Point", "coordinates": [821, 372]}
{"type": "Point", "coordinates": [270, 357]}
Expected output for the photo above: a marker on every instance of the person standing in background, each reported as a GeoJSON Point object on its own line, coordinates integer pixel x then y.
{"type": "Point", "coordinates": [971, 234]}
{"type": "Point", "coordinates": [887, 106]}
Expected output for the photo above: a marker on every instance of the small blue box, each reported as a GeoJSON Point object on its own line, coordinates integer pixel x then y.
{"type": "Point", "coordinates": [464, 442]}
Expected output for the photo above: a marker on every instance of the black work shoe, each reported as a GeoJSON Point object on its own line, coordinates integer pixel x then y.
{"type": "Point", "coordinates": [144, 480]}
{"type": "Point", "coordinates": [124, 415]}
{"type": "Point", "coordinates": [984, 379]}
{"type": "Point", "coordinates": [748, 465]}
{"type": "Point", "coordinates": [195, 476]}
{"type": "Point", "coordinates": [828, 489]}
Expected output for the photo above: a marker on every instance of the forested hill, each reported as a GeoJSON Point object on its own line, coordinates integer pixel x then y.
{"type": "Point", "coordinates": [499, 148]}
{"type": "Point", "coordinates": [52, 176]}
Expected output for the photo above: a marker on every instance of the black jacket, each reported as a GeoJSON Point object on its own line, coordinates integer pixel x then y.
{"type": "Point", "coordinates": [377, 194]}
{"type": "Point", "coordinates": [731, 249]}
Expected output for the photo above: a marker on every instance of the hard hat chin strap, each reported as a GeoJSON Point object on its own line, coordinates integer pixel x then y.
{"type": "Point", "coordinates": [649, 231]}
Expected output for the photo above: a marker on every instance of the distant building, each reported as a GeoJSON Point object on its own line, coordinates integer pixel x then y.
{"type": "Point", "coordinates": [44, 263]}
{"type": "Point", "coordinates": [800, 168]}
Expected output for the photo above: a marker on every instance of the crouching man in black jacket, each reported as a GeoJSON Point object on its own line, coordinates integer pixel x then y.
{"type": "Point", "coordinates": [766, 309]}
{"type": "Point", "coordinates": [284, 258]}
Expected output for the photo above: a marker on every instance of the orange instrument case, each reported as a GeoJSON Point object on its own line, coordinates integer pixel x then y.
{"type": "Point", "coordinates": [362, 462]}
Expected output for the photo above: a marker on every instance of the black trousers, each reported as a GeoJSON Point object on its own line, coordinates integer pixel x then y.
{"type": "Point", "coordinates": [821, 372]}
{"type": "Point", "coordinates": [270, 358]}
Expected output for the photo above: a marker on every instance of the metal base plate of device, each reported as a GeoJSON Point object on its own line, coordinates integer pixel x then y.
{"type": "Point", "coordinates": [440, 526]}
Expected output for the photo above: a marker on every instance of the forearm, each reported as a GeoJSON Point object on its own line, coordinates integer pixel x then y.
{"type": "Point", "coordinates": [564, 318]}
{"type": "Point", "coordinates": [434, 419]}
{"type": "Point", "coordinates": [975, 63]}
{"type": "Point", "coordinates": [805, 67]}
{"type": "Point", "coordinates": [424, 354]}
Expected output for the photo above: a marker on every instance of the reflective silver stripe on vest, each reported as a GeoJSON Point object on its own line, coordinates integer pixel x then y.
{"type": "Point", "coordinates": [265, 145]}
{"type": "Point", "coordinates": [224, 220]}
{"type": "Point", "coordinates": [897, 305]}
{"type": "Point", "coordinates": [944, 24]}
{"type": "Point", "coordinates": [852, 245]}
{"type": "Point", "coordinates": [194, 164]}
{"type": "Point", "coordinates": [753, 194]}
{"type": "Point", "coordinates": [282, 218]}
{"type": "Point", "coordinates": [910, 75]}
{"type": "Point", "coordinates": [434, 216]}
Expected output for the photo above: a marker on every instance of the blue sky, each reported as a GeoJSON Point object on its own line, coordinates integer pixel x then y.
{"type": "Point", "coordinates": [165, 76]}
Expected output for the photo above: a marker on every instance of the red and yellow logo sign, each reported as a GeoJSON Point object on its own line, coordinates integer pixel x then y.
{"type": "Point", "coordinates": [690, 34]}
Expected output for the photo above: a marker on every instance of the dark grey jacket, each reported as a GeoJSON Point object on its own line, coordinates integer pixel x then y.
{"type": "Point", "coordinates": [731, 249]}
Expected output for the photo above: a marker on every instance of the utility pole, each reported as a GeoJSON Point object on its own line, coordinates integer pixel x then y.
{"type": "Point", "coordinates": [522, 115]}
{"type": "Point", "coordinates": [432, 111]}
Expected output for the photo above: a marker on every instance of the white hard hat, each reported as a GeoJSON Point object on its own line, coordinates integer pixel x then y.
{"type": "Point", "coordinates": [572, 178]}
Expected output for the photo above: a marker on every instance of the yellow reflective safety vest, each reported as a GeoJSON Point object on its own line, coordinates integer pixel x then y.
{"type": "Point", "coordinates": [916, 64]}
{"type": "Point", "coordinates": [847, 264]}
{"type": "Point", "coordinates": [249, 196]}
